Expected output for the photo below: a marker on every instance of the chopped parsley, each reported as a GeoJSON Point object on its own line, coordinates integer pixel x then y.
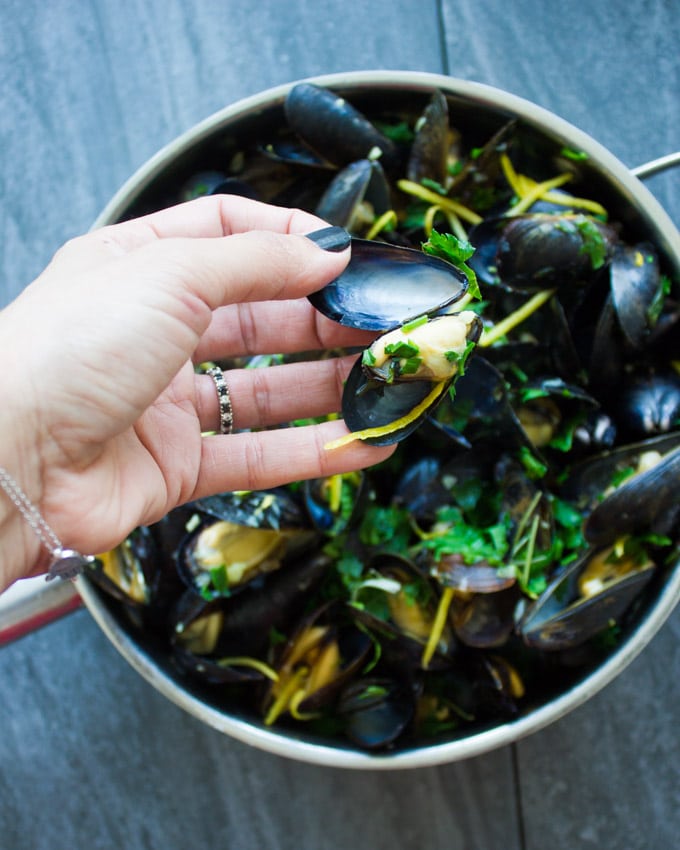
{"type": "Point", "coordinates": [402, 349]}
{"type": "Point", "coordinates": [456, 251]}
{"type": "Point", "coordinates": [656, 306]}
{"type": "Point", "coordinates": [368, 358]}
{"type": "Point", "coordinates": [213, 583]}
{"type": "Point", "coordinates": [574, 155]}
{"type": "Point", "coordinates": [593, 242]}
{"type": "Point", "coordinates": [407, 327]}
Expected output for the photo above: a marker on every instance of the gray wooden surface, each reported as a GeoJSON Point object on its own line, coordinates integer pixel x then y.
{"type": "Point", "coordinates": [90, 755]}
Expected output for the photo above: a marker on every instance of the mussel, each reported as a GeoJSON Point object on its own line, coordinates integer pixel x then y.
{"type": "Point", "coordinates": [235, 537]}
{"type": "Point", "coordinates": [386, 285]}
{"type": "Point", "coordinates": [402, 377]}
{"type": "Point", "coordinates": [590, 595]}
{"type": "Point", "coordinates": [538, 250]}
{"type": "Point", "coordinates": [333, 127]}
{"type": "Point", "coordinates": [355, 196]}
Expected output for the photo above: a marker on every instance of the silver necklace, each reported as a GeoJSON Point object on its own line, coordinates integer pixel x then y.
{"type": "Point", "coordinates": [66, 563]}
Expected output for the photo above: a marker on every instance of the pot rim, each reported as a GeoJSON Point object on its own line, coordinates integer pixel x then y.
{"type": "Point", "coordinates": [284, 744]}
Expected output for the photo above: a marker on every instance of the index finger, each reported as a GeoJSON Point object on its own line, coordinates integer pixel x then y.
{"type": "Point", "coordinates": [211, 216]}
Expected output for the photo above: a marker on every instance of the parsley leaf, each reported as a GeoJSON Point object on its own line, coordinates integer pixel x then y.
{"type": "Point", "coordinates": [456, 251]}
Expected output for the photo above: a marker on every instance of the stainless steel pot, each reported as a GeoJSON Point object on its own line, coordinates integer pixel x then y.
{"type": "Point", "coordinates": [613, 183]}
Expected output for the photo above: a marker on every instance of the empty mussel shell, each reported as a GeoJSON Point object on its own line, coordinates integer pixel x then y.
{"type": "Point", "coordinates": [386, 285]}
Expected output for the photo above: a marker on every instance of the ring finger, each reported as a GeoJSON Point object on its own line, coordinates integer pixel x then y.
{"type": "Point", "coordinates": [276, 394]}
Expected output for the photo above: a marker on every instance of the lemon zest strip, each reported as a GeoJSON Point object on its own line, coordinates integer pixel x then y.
{"type": "Point", "coordinates": [391, 427]}
{"type": "Point", "coordinates": [253, 663]}
{"type": "Point", "coordinates": [438, 625]}
{"type": "Point", "coordinates": [283, 700]}
{"type": "Point", "coordinates": [517, 317]}
{"type": "Point", "coordinates": [418, 191]}
{"type": "Point", "coordinates": [383, 221]}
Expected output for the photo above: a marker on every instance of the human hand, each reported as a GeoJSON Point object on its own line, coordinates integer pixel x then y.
{"type": "Point", "coordinates": [103, 413]}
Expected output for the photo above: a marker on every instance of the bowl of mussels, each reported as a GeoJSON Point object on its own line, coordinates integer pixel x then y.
{"type": "Point", "coordinates": [522, 544]}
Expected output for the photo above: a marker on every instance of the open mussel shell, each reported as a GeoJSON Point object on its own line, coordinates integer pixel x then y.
{"type": "Point", "coordinates": [408, 613]}
{"type": "Point", "coordinates": [386, 285]}
{"type": "Point", "coordinates": [129, 573]}
{"type": "Point", "coordinates": [589, 479]}
{"type": "Point", "coordinates": [378, 408]}
{"type": "Point", "coordinates": [236, 537]}
{"type": "Point", "coordinates": [565, 615]}
{"type": "Point", "coordinates": [650, 500]}
{"type": "Point", "coordinates": [216, 640]}
{"type": "Point", "coordinates": [324, 651]}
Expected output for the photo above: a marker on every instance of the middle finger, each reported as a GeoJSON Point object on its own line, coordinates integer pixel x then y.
{"type": "Point", "coordinates": [272, 328]}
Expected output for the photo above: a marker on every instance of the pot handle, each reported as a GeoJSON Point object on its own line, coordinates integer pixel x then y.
{"type": "Point", "coordinates": [654, 166]}
{"type": "Point", "coordinates": [31, 603]}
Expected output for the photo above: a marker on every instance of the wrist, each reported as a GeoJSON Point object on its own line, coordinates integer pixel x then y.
{"type": "Point", "coordinates": [20, 455]}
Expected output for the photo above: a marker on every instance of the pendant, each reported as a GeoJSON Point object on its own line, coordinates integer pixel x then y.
{"type": "Point", "coordinates": [67, 564]}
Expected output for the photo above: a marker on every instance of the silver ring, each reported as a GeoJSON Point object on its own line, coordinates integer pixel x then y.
{"type": "Point", "coordinates": [226, 413]}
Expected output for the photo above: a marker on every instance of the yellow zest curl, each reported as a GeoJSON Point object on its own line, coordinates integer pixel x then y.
{"type": "Point", "coordinates": [391, 427]}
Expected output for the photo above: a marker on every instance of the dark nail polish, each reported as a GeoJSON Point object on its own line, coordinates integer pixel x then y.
{"type": "Point", "coordinates": [331, 238]}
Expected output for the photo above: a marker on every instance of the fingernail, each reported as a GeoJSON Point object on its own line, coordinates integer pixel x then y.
{"type": "Point", "coordinates": [331, 238]}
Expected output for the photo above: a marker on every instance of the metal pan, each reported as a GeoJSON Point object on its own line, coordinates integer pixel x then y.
{"type": "Point", "coordinates": [619, 188]}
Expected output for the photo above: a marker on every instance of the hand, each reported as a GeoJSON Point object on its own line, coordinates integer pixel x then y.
{"type": "Point", "coordinates": [103, 407]}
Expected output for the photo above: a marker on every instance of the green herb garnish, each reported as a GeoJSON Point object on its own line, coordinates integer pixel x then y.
{"type": "Point", "coordinates": [456, 251]}
{"type": "Point", "coordinates": [593, 242]}
{"type": "Point", "coordinates": [574, 155]}
{"type": "Point", "coordinates": [402, 349]}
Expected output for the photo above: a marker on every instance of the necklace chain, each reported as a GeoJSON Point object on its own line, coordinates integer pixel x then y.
{"type": "Point", "coordinates": [66, 563]}
{"type": "Point", "coordinates": [29, 512]}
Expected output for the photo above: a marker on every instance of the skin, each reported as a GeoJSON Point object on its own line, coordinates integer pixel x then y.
{"type": "Point", "coordinates": [103, 412]}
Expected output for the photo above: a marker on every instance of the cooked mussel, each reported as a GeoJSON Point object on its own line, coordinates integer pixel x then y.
{"type": "Point", "coordinates": [323, 653]}
{"type": "Point", "coordinates": [648, 500]}
{"type": "Point", "coordinates": [130, 571]}
{"type": "Point", "coordinates": [403, 606]}
{"type": "Point", "coordinates": [587, 597]}
{"type": "Point", "coordinates": [335, 501]}
{"type": "Point", "coordinates": [405, 373]}
{"type": "Point", "coordinates": [226, 639]}
{"type": "Point", "coordinates": [236, 537]}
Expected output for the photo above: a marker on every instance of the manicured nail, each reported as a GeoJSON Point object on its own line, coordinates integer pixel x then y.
{"type": "Point", "coordinates": [331, 238]}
